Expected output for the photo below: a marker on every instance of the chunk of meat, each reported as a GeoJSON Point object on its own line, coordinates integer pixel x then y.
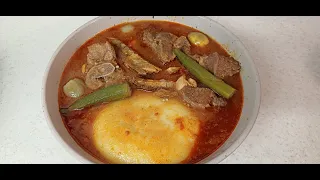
{"type": "Point", "coordinates": [101, 53]}
{"type": "Point", "coordinates": [200, 97]}
{"type": "Point", "coordinates": [133, 60]}
{"type": "Point", "coordinates": [116, 77]}
{"type": "Point", "coordinates": [218, 101]}
{"type": "Point", "coordinates": [196, 97]}
{"type": "Point", "coordinates": [166, 93]}
{"type": "Point", "coordinates": [221, 66]}
{"type": "Point", "coordinates": [149, 84]}
{"type": "Point", "coordinates": [183, 43]}
{"type": "Point", "coordinates": [102, 74]}
{"type": "Point", "coordinates": [161, 43]}
{"type": "Point", "coordinates": [95, 75]}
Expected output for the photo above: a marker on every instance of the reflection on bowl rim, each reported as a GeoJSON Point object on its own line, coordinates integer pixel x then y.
{"type": "Point", "coordinates": [219, 158]}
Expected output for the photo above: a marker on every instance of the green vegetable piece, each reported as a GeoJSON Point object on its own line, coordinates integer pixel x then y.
{"type": "Point", "coordinates": [204, 76]}
{"type": "Point", "coordinates": [106, 94]}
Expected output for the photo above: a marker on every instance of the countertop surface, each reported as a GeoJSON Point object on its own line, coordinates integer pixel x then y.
{"type": "Point", "coordinates": [286, 51]}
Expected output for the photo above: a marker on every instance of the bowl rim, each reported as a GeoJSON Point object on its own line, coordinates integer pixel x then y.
{"type": "Point", "coordinates": [219, 158]}
{"type": "Point", "coordinates": [245, 133]}
{"type": "Point", "coordinates": [50, 124]}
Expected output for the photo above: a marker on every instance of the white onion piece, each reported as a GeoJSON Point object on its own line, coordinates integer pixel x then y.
{"type": "Point", "coordinates": [74, 88]}
{"type": "Point", "coordinates": [127, 28]}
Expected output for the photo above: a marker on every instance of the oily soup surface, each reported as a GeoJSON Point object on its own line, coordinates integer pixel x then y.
{"type": "Point", "coordinates": [143, 128]}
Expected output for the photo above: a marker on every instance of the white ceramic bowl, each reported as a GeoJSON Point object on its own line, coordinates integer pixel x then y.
{"type": "Point", "coordinates": [59, 59]}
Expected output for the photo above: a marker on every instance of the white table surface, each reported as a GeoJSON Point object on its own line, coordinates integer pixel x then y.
{"type": "Point", "coordinates": [286, 51]}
